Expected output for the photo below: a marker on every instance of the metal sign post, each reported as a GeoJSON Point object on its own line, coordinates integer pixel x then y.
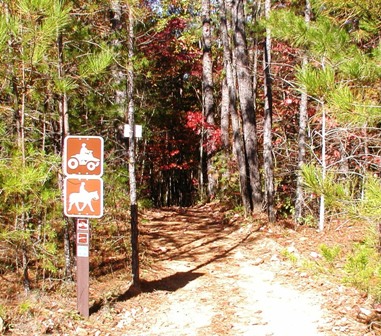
{"type": "Point", "coordinates": [83, 237]}
{"type": "Point", "coordinates": [83, 199]}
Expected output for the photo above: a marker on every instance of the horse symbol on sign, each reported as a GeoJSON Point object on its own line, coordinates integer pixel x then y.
{"type": "Point", "coordinates": [83, 197]}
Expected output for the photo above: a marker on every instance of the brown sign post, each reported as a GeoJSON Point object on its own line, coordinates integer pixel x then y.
{"type": "Point", "coordinates": [83, 236]}
{"type": "Point", "coordinates": [83, 199]}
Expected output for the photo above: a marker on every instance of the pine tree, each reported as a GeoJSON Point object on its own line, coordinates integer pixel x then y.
{"type": "Point", "coordinates": [208, 88]}
{"type": "Point", "coordinates": [131, 151]}
{"type": "Point", "coordinates": [246, 101]}
{"type": "Point", "coordinates": [268, 116]}
{"type": "Point", "coordinates": [303, 118]}
{"type": "Point", "coordinates": [238, 145]}
{"type": "Point", "coordinates": [325, 80]}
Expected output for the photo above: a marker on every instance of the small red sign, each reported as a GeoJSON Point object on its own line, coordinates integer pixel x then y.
{"type": "Point", "coordinates": [82, 224]}
{"type": "Point", "coordinates": [83, 238]}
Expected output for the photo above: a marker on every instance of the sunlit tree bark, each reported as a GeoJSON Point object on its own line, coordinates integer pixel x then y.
{"type": "Point", "coordinates": [303, 118]}
{"type": "Point", "coordinates": [246, 101]}
{"type": "Point", "coordinates": [267, 127]}
{"type": "Point", "coordinates": [207, 86]}
{"type": "Point", "coordinates": [238, 144]}
{"type": "Point", "coordinates": [64, 131]}
{"type": "Point", "coordinates": [131, 151]}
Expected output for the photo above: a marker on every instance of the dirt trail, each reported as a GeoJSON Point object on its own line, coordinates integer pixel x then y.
{"type": "Point", "coordinates": [205, 273]}
{"type": "Point", "coordinates": [219, 277]}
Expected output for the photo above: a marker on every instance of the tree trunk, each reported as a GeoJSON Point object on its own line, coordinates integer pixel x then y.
{"type": "Point", "coordinates": [232, 100]}
{"type": "Point", "coordinates": [303, 117]}
{"type": "Point", "coordinates": [254, 50]}
{"type": "Point", "coordinates": [246, 98]}
{"type": "Point", "coordinates": [64, 131]}
{"type": "Point", "coordinates": [63, 106]}
{"type": "Point", "coordinates": [324, 169]}
{"type": "Point", "coordinates": [225, 136]}
{"type": "Point", "coordinates": [225, 115]}
{"type": "Point", "coordinates": [21, 143]}
{"type": "Point", "coordinates": [118, 73]}
{"type": "Point", "coordinates": [267, 127]}
{"type": "Point", "coordinates": [207, 86]}
{"type": "Point", "coordinates": [131, 153]}
{"type": "Point", "coordinates": [68, 276]}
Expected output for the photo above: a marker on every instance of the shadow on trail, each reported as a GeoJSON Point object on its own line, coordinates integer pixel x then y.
{"type": "Point", "coordinates": [205, 230]}
{"type": "Point", "coordinates": [169, 283]}
{"type": "Point", "coordinates": [188, 235]}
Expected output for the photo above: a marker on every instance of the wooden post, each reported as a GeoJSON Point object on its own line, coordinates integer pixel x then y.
{"type": "Point", "coordinates": [83, 237]}
{"type": "Point", "coordinates": [83, 286]}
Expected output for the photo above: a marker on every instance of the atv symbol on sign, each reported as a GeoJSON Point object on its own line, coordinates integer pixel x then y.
{"type": "Point", "coordinates": [84, 158]}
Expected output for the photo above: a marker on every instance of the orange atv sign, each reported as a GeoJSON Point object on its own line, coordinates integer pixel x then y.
{"type": "Point", "coordinates": [83, 197]}
{"type": "Point", "coordinates": [83, 156]}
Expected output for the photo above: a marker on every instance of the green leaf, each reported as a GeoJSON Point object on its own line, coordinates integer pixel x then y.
{"type": "Point", "coordinates": [4, 34]}
{"type": "Point", "coordinates": [64, 85]}
{"type": "Point", "coordinates": [341, 103]}
{"type": "Point", "coordinates": [288, 26]}
{"type": "Point", "coordinates": [96, 63]}
{"type": "Point", "coordinates": [359, 67]}
{"type": "Point", "coordinates": [336, 192]}
{"type": "Point", "coordinates": [28, 6]}
{"type": "Point", "coordinates": [39, 51]}
{"type": "Point", "coordinates": [369, 206]}
{"type": "Point", "coordinates": [317, 82]}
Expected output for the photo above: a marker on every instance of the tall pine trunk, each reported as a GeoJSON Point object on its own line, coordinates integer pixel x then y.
{"type": "Point", "coordinates": [324, 168]}
{"type": "Point", "coordinates": [246, 99]}
{"type": "Point", "coordinates": [303, 117]}
{"type": "Point", "coordinates": [117, 71]}
{"type": "Point", "coordinates": [64, 131]}
{"type": "Point", "coordinates": [19, 91]}
{"type": "Point", "coordinates": [207, 86]}
{"type": "Point", "coordinates": [131, 153]}
{"type": "Point", "coordinates": [232, 101]}
{"type": "Point", "coordinates": [267, 127]}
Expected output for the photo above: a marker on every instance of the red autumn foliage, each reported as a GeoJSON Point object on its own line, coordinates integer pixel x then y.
{"type": "Point", "coordinates": [196, 122]}
{"type": "Point", "coordinates": [168, 50]}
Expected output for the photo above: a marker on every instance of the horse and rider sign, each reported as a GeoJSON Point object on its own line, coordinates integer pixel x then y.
{"type": "Point", "coordinates": [83, 168]}
{"type": "Point", "coordinates": [83, 199]}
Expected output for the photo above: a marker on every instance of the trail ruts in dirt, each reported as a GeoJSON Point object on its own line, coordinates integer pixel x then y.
{"type": "Point", "coordinates": [213, 275]}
